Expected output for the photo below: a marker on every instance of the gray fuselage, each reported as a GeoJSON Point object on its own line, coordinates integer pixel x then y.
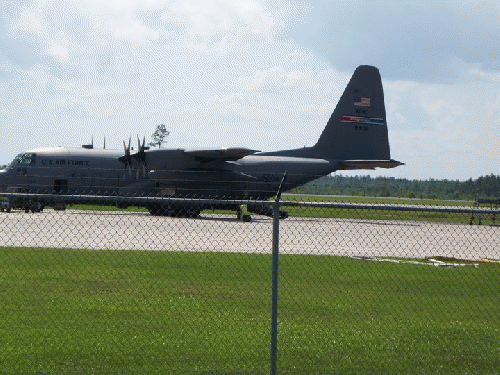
{"type": "Point", "coordinates": [171, 172]}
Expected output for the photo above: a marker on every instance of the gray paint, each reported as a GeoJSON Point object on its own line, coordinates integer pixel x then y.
{"type": "Point", "coordinates": [355, 137]}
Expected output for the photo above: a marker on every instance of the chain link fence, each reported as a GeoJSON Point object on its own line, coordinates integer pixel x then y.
{"type": "Point", "coordinates": [361, 287]}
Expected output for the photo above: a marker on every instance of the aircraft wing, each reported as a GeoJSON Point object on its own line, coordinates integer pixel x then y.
{"type": "Point", "coordinates": [220, 154]}
{"type": "Point", "coordinates": [368, 164]}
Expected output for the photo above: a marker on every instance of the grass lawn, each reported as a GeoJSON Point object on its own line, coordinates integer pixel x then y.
{"type": "Point", "coordinates": [92, 207]}
{"type": "Point", "coordinates": [375, 200]}
{"type": "Point", "coordinates": [115, 311]}
{"type": "Point", "coordinates": [374, 214]}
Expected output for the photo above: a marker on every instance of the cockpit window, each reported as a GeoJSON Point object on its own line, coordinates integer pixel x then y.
{"type": "Point", "coordinates": [23, 160]}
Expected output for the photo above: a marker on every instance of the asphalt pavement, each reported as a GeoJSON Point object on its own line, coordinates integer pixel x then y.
{"type": "Point", "coordinates": [142, 231]}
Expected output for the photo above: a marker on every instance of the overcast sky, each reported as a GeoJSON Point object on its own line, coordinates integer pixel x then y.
{"type": "Point", "coordinates": [263, 75]}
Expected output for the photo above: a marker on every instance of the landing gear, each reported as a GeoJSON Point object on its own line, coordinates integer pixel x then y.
{"type": "Point", "coordinates": [37, 207]}
{"type": "Point", "coordinates": [265, 210]}
{"type": "Point", "coordinates": [19, 205]}
{"type": "Point", "coordinates": [122, 205]}
{"type": "Point", "coordinates": [34, 207]}
{"type": "Point", "coordinates": [242, 215]}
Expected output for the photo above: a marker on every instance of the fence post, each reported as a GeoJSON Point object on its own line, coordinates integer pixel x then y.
{"type": "Point", "coordinates": [274, 284]}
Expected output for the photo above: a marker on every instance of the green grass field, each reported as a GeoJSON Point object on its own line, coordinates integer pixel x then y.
{"type": "Point", "coordinates": [373, 214]}
{"type": "Point", "coordinates": [375, 200]}
{"type": "Point", "coordinates": [121, 311]}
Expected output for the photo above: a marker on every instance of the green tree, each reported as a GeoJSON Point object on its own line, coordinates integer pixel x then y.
{"type": "Point", "coordinates": [159, 136]}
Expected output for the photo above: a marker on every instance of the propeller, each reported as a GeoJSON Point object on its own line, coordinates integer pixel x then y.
{"type": "Point", "coordinates": [127, 158]}
{"type": "Point", "coordinates": [140, 156]}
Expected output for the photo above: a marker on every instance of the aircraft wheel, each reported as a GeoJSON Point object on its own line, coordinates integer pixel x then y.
{"type": "Point", "coordinates": [156, 210]}
{"type": "Point", "coordinates": [37, 207]}
{"type": "Point", "coordinates": [193, 212]}
{"type": "Point", "coordinates": [175, 212]}
{"type": "Point", "coordinates": [59, 206]}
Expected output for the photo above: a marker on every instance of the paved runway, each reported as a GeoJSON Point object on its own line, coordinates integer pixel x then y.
{"type": "Point", "coordinates": [141, 231]}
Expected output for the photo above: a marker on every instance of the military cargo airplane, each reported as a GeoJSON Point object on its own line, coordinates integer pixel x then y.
{"type": "Point", "coordinates": [355, 137]}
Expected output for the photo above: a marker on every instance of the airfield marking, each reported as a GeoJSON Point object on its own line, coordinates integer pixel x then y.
{"type": "Point", "coordinates": [141, 231]}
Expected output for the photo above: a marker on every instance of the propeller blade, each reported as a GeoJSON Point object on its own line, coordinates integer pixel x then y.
{"type": "Point", "coordinates": [127, 158]}
{"type": "Point", "coordinates": [140, 155]}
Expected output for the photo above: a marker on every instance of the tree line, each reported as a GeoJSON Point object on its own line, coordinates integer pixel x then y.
{"type": "Point", "coordinates": [482, 187]}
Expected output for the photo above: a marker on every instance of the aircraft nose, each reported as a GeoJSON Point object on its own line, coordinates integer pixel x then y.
{"type": "Point", "coordinates": [3, 180]}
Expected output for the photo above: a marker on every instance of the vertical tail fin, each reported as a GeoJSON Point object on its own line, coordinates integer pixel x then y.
{"type": "Point", "coordinates": [357, 129]}
{"type": "Point", "coordinates": [355, 137]}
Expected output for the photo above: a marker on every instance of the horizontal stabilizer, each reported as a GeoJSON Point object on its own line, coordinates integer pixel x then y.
{"type": "Point", "coordinates": [368, 164]}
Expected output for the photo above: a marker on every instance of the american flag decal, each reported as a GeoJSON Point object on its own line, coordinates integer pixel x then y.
{"type": "Point", "coordinates": [362, 102]}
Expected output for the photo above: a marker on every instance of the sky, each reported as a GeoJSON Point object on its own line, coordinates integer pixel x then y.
{"type": "Point", "coordinates": [259, 74]}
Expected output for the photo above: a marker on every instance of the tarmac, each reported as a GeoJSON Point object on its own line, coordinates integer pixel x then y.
{"type": "Point", "coordinates": [223, 233]}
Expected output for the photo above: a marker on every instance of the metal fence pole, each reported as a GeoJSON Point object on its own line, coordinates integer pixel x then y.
{"type": "Point", "coordinates": [274, 284]}
{"type": "Point", "coordinates": [274, 287]}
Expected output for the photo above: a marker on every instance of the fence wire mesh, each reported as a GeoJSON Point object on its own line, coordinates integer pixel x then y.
{"type": "Point", "coordinates": [362, 287]}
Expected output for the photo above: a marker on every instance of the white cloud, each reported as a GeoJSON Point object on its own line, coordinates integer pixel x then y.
{"type": "Point", "coordinates": [38, 75]}
{"type": "Point", "coordinates": [233, 73]}
{"type": "Point", "coordinates": [440, 107]}
{"type": "Point", "coordinates": [68, 101]}
{"type": "Point", "coordinates": [490, 76]}
{"type": "Point", "coordinates": [109, 111]}
{"type": "Point", "coordinates": [120, 18]}
{"type": "Point", "coordinates": [277, 79]}
{"type": "Point", "coordinates": [58, 25]}
{"type": "Point", "coordinates": [450, 131]}
{"type": "Point", "coordinates": [30, 21]}
{"type": "Point", "coordinates": [107, 90]}
{"type": "Point", "coordinates": [219, 27]}
{"type": "Point", "coordinates": [133, 30]}
{"type": "Point", "coordinates": [60, 51]}
{"type": "Point", "coordinates": [213, 17]}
